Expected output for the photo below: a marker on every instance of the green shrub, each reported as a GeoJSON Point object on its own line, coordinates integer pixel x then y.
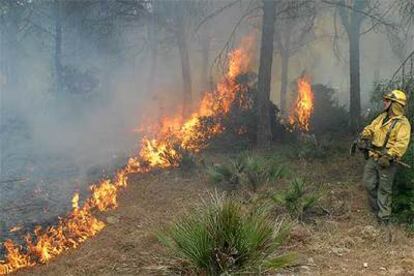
{"type": "Point", "coordinates": [403, 190]}
{"type": "Point", "coordinates": [223, 237]}
{"type": "Point", "coordinates": [259, 171]}
{"type": "Point", "coordinates": [297, 200]}
{"type": "Point", "coordinates": [328, 116]}
{"type": "Point", "coordinates": [309, 148]}
{"type": "Point", "coordinates": [252, 171]}
{"type": "Point", "coordinates": [227, 174]}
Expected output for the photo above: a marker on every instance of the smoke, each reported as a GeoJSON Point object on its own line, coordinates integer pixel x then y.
{"type": "Point", "coordinates": [59, 138]}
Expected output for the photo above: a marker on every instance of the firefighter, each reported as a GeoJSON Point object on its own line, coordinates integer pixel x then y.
{"type": "Point", "coordinates": [389, 136]}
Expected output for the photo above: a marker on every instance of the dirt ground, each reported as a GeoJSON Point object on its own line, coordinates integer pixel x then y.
{"type": "Point", "coordinates": [347, 241]}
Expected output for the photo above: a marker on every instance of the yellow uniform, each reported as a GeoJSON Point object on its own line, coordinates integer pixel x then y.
{"type": "Point", "coordinates": [379, 171]}
{"type": "Point", "coordinates": [399, 137]}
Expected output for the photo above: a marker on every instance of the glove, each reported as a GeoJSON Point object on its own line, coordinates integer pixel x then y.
{"type": "Point", "coordinates": [362, 144]}
{"type": "Point", "coordinates": [384, 162]}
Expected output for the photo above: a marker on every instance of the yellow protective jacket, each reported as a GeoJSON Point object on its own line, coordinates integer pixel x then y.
{"type": "Point", "coordinates": [399, 137]}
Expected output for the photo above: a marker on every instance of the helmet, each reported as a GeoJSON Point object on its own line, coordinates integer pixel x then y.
{"type": "Point", "coordinates": [396, 96]}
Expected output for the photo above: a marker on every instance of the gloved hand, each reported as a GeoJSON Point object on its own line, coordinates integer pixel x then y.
{"type": "Point", "coordinates": [384, 161]}
{"type": "Point", "coordinates": [362, 143]}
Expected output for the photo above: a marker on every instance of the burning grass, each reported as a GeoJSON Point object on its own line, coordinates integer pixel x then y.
{"type": "Point", "coordinates": [165, 149]}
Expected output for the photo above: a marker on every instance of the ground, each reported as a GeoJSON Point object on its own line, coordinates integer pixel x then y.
{"type": "Point", "coordinates": [346, 241]}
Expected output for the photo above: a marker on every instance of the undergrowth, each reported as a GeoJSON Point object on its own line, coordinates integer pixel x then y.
{"type": "Point", "coordinates": [297, 199]}
{"type": "Point", "coordinates": [247, 170]}
{"type": "Point", "coordinates": [223, 237]}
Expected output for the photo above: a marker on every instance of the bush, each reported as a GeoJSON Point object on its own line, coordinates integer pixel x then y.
{"type": "Point", "coordinates": [403, 189]}
{"type": "Point", "coordinates": [250, 170]}
{"type": "Point", "coordinates": [309, 147]}
{"type": "Point", "coordinates": [240, 123]}
{"type": "Point", "coordinates": [297, 200]}
{"type": "Point", "coordinates": [328, 115]}
{"type": "Point", "coordinates": [227, 175]}
{"type": "Point", "coordinates": [223, 237]}
{"type": "Point", "coordinates": [258, 171]}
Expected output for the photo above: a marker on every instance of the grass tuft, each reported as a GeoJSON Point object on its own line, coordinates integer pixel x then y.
{"type": "Point", "coordinates": [297, 200]}
{"type": "Point", "coordinates": [223, 237]}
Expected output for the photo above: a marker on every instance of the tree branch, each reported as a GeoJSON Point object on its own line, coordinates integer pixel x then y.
{"type": "Point", "coordinates": [341, 4]}
{"type": "Point", "coordinates": [215, 13]}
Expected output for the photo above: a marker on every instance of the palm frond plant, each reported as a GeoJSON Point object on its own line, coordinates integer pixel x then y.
{"type": "Point", "coordinates": [297, 200]}
{"type": "Point", "coordinates": [259, 171]}
{"type": "Point", "coordinates": [227, 174]}
{"type": "Point", "coordinates": [251, 170]}
{"type": "Point", "coordinates": [223, 237]}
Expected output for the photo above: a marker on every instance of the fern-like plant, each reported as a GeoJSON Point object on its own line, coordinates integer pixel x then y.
{"type": "Point", "coordinates": [223, 237]}
{"type": "Point", "coordinates": [259, 171]}
{"type": "Point", "coordinates": [250, 170]}
{"type": "Point", "coordinates": [228, 174]}
{"type": "Point", "coordinates": [297, 200]}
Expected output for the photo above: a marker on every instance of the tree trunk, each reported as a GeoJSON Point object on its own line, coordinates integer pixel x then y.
{"type": "Point", "coordinates": [284, 80]}
{"type": "Point", "coordinates": [264, 134]}
{"type": "Point", "coordinates": [355, 101]}
{"type": "Point", "coordinates": [354, 54]}
{"type": "Point", "coordinates": [153, 56]}
{"type": "Point", "coordinates": [352, 20]}
{"type": "Point", "coordinates": [185, 69]}
{"type": "Point", "coordinates": [58, 47]}
{"type": "Point", "coordinates": [205, 60]}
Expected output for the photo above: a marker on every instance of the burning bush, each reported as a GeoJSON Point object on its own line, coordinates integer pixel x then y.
{"type": "Point", "coordinates": [222, 237]}
{"type": "Point", "coordinates": [240, 123]}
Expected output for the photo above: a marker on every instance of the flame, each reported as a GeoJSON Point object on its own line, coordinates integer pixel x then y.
{"type": "Point", "coordinates": [177, 133]}
{"type": "Point", "coordinates": [303, 107]}
{"type": "Point", "coordinates": [161, 148]}
{"type": "Point", "coordinates": [15, 228]}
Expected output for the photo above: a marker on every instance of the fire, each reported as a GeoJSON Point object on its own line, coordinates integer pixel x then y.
{"type": "Point", "coordinates": [303, 107]}
{"type": "Point", "coordinates": [15, 229]}
{"type": "Point", "coordinates": [161, 148]}
{"type": "Point", "coordinates": [176, 133]}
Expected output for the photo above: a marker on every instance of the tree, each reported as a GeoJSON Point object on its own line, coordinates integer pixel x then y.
{"type": "Point", "coordinates": [401, 32]}
{"type": "Point", "coordinates": [58, 44]}
{"type": "Point", "coordinates": [352, 17]}
{"type": "Point", "coordinates": [293, 31]}
{"type": "Point", "coordinates": [178, 20]}
{"type": "Point", "coordinates": [13, 18]}
{"type": "Point", "coordinates": [264, 135]}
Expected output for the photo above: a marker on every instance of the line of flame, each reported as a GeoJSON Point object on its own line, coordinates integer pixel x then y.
{"type": "Point", "coordinates": [157, 152]}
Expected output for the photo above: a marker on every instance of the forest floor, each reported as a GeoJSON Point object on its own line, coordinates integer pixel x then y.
{"type": "Point", "coordinates": [346, 241]}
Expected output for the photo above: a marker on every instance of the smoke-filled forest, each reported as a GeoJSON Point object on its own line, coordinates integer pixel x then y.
{"type": "Point", "coordinates": [206, 137]}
